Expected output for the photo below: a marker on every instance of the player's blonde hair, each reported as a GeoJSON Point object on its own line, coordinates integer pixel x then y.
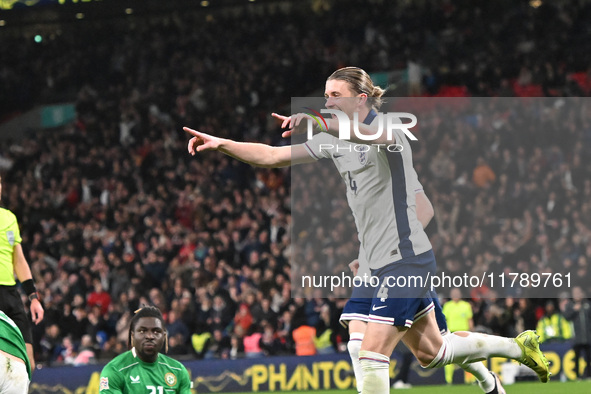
{"type": "Point", "coordinates": [360, 82]}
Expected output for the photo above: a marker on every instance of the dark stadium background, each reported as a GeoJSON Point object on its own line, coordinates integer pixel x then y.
{"type": "Point", "coordinates": [114, 212]}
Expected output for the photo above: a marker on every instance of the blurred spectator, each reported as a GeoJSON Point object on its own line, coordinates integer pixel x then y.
{"type": "Point", "coordinates": [86, 352]}
{"type": "Point", "coordinates": [252, 343]}
{"type": "Point", "coordinates": [50, 344]}
{"type": "Point", "coordinates": [221, 315]}
{"type": "Point", "coordinates": [458, 314]}
{"type": "Point", "coordinates": [67, 351]}
{"type": "Point", "coordinates": [324, 336]}
{"type": "Point", "coordinates": [109, 349]}
{"type": "Point", "coordinates": [578, 311]}
{"type": "Point", "coordinates": [270, 342]}
{"type": "Point", "coordinates": [483, 176]}
{"type": "Point", "coordinates": [236, 348]}
{"type": "Point", "coordinates": [243, 318]}
{"type": "Point", "coordinates": [262, 312]}
{"type": "Point", "coordinates": [284, 331]}
{"type": "Point", "coordinates": [99, 297]}
{"type": "Point", "coordinates": [303, 337]}
{"type": "Point", "coordinates": [176, 346]}
{"type": "Point", "coordinates": [525, 317]}
{"type": "Point", "coordinates": [177, 328]}
{"type": "Point", "coordinates": [415, 77]}
{"type": "Point", "coordinates": [96, 323]}
{"type": "Point", "coordinates": [204, 312]}
{"type": "Point", "coordinates": [218, 346]}
{"type": "Point", "coordinates": [553, 326]}
{"type": "Point", "coordinates": [201, 340]}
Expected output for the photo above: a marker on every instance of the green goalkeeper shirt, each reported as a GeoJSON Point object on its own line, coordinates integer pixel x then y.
{"type": "Point", "coordinates": [11, 340]}
{"type": "Point", "coordinates": [126, 373]}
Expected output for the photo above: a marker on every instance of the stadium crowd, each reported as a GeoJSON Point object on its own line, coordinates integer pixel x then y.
{"type": "Point", "coordinates": [116, 214]}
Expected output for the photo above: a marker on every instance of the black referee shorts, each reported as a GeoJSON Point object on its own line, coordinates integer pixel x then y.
{"type": "Point", "coordinates": [12, 305]}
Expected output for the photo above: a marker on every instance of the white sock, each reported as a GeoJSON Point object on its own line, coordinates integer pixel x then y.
{"type": "Point", "coordinates": [376, 372]}
{"type": "Point", "coordinates": [354, 346]}
{"type": "Point", "coordinates": [483, 375]}
{"type": "Point", "coordinates": [473, 347]}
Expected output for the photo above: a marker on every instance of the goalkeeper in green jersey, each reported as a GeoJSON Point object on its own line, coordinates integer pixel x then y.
{"type": "Point", "coordinates": [143, 369]}
{"type": "Point", "coordinates": [14, 362]}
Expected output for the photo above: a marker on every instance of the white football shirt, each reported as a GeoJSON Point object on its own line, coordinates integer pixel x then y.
{"type": "Point", "coordinates": [381, 187]}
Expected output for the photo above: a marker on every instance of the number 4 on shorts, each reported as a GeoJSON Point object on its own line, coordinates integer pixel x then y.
{"type": "Point", "coordinates": [383, 293]}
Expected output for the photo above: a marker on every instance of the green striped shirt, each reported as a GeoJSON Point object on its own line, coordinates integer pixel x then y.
{"type": "Point", "coordinates": [11, 340]}
{"type": "Point", "coordinates": [126, 373]}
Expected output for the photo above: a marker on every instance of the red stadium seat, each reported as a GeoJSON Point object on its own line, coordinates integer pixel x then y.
{"type": "Point", "coordinates": [583, 80]}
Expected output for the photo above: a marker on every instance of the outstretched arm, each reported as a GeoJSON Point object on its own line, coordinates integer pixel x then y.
{"type": "Point", "coordinates": [332, 126]}
{"type": "Point", "coordinates": [255, 154]}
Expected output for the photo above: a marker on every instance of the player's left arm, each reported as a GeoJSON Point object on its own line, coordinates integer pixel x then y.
{"type": "Point", "coordinates": [354, 266]}
{"type": "Point", "coordinates": [23, 273]}
{"type": "Point", "coordinates": [425, 211]}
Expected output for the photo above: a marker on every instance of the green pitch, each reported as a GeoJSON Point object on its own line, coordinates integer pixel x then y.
{"type": "Point", "coordinates": [517, 388]}
{"type": "Point", "coordinates": [583, 387]}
